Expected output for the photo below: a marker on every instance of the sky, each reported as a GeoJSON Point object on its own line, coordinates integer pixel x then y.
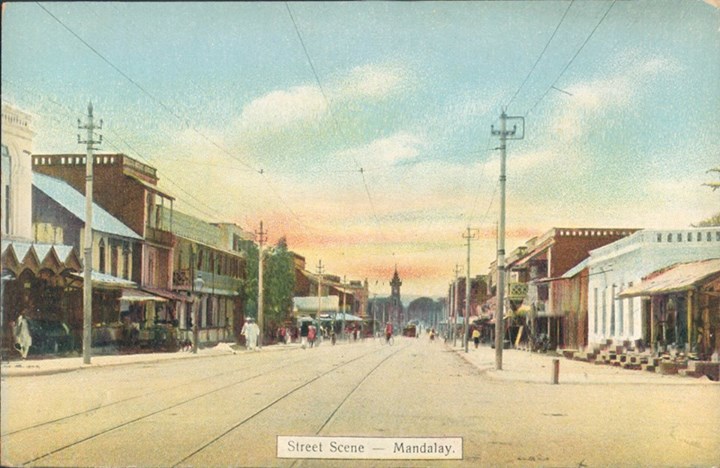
{"type": "Point", "coordinates": [361, 131]}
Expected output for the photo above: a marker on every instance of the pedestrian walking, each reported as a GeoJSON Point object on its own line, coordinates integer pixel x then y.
{"type": "Point", "coordinates": [312, 333]}
{"type": "Point", "coordinates": [250, 331]}
{"type": "Point", "coordinates": [23, 339]}
{"type": "Point", "coordinates": [476, 337]}
{"type": "Point", "coordinates": [304, 329]}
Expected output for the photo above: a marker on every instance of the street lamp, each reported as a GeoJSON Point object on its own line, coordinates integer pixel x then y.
{"type": "Point", "coordinates": [197, 285]}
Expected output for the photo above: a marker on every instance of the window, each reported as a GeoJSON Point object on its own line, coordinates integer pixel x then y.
{"type": "Point", "coordinates": [669, 237]}
{"type": "Point", "coordinates": [689, 237]}
{"type": "Point", "coordinates": [631, 314]}
{"type": "Point", "coordinates": [659, 237]}
{"type": "Point", "coordinates": [612, 311]}
{"type": "Point", "coordinates": [101, 256]}
{"type": "Point", "coordinates": [604, 312]}
{"type": "Point", "coordinates": [114, 254]}
{"type": "Point", "coordinates": [126, 261]}
{"type": "Point", "coordinates": [621, 317]}
{"type": "Point", "coordinates": [595, 309]}
{"type": "Point", "coordinates": [699, 236]}
{"type": "Point", "coordinates": [6, 183]}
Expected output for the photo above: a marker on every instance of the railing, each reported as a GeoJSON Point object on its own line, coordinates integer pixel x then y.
{"type": "Point", "coordinates": [517, 291]}
{"type": "Point", "coordinates": [182, 280]}
{"type": "Point", "coordinates": [159, 236]}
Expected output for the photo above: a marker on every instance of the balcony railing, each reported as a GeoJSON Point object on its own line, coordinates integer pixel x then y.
{"type": "Point", "coordinates": [517, 291]}
{"type": "Point", "coordinates": [159, 236]}
{"type": "Point", "coordinates": [182, 280]}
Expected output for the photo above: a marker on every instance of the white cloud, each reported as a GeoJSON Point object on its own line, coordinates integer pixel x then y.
{"type": "Point", "coordinates": [370, 81]}
{"type": "Point", "coordinates": [591, 99]}
{"type": "Point", "coordinates": [387, 151]}
{"type": "Point", "coordinates": [281, 108]}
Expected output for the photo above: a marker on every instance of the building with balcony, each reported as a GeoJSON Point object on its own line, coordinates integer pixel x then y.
{"type": "Point", "coordinates": [127, 189]}
{"type": "Point", "coordinates": [541, 265]}
{"type": "Point", "coordinates": [201, 251]}
{"type": "Point", "coordinates": [35, 274]}
{"type": "Point", "coordinates": [617, 318]}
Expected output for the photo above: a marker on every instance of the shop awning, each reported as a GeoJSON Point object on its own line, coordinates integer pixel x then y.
{"type": "Point", "coordinates": [103, 280]}
{"type": "Point", "coordinates": [136, 295]}
{"type": "Point", "coordinates": [677, 278]}
{"type": "Point", "coordinates": [173, 296]}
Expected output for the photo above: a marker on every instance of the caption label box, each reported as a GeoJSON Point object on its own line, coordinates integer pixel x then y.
{"type": "Point", "coordinates": [373, 448]}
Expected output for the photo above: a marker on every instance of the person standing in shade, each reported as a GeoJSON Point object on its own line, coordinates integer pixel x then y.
{"type": "Point", "coordinates": [304, 329]}
{"type": "Point", "coordinates": [23, 339]}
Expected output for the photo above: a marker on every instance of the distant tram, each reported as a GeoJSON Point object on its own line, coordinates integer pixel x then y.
{"type": "Point", "coordinates": [410, 330]}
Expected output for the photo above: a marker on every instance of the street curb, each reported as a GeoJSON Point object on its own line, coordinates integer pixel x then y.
{"type": "Point", "coordinates": [8, 371]}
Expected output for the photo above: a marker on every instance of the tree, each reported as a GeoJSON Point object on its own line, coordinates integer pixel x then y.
{"type": "Point", "coordinates": [715, 219]}
{"type": "Point", "coordinates": [249, 290]}
{"type": "Point", "coordinates": [278, 284]}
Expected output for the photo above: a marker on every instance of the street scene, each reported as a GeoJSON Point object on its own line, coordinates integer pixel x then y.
{"type": "Point", "coordinates": [360, 233]}
{"type": "Point", "coordinates": [226, 409]}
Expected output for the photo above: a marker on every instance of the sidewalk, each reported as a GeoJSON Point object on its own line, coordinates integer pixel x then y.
{"type": "Point", "coordinates": [536, 368]}
{"type": "Point", "coordinates": [47, 366]}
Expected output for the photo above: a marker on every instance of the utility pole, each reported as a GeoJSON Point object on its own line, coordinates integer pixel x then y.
{"type": "Point", "coordinates": [342, 333]}
{"type": "Point", "coordinates": [320, 270]}
{"type": "Point", "coordinates": [455, 305]}
{"type": "Point", "coordinates": [261, 237]}
{"type": "Point", "coordinates": [500, 314]}
{"type": "Point", "coordinates": [87, 273]}
{"type": "Point", "coordinates": [471, 234]}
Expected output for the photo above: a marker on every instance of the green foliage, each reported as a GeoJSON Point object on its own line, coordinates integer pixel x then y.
{"type": "Point", "coordinates": [710, 222]}
{"type": "Point", "coordinates": [278, 284]}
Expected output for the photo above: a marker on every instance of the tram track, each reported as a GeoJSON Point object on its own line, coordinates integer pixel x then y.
{"type": "Point", "coordinates": [263, 373]}
{"type": "Point", "coordinates": [291, 392]}
{"type": "Point", "coordinates": [137, 397]}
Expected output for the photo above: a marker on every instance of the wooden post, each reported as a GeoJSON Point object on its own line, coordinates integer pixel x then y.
{"type": "Point", "coordinates": [690, 308]}
{"type": "Point", "coordinates": [556, 371]}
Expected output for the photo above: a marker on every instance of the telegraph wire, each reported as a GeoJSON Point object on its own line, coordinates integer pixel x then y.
{"type": "Point", "coordinates": [587, 39]}
{"type": "Point", "coordinates": [332, 115]}
{"type": "Point", "coordinates": [141, 88]}
{"type": "Point", "coordinates": [261, 171]}
{"type": "Point", "coordinates": [69, 113]}
{"type": "Point", "coordinates": [541, 54]}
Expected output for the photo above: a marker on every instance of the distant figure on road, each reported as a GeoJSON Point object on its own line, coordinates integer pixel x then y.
{"type": "Point", "coordinates": [312, 334]}
{"type": "Point", "coordinates": [432, 334]}
{"type": "Point", "coordinates": [250, 331]}
{"type": "Point", "coordinates": [388, 332]}
{"type": "Point", "coordinates": [304, 329]}
{"type": "Point", "coordinates": [476, 337]}
{"type": "Point", "coordinates": [23, 340]}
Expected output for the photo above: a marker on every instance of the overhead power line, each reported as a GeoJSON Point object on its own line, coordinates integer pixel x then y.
{"type": "Point", "coordinates": [541, 54]}
{"type": "Point", "coordinates": [587, 39]}
{"type": "Point", "coordinates": [142, 88]}
{"type": "Point", "coordinates": [329, 107]}
{"type": "Point", "coordinates": [164, 106]}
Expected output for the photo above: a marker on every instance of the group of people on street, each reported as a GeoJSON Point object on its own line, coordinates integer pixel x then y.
{"type": "Point", "coordinates": [251, 332]}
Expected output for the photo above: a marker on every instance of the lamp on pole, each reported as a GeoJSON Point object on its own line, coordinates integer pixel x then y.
{"type": "Point", "coordinates": [197, 285]}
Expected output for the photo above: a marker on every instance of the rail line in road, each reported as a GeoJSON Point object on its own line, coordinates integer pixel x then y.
{"type": "Point", "coordinates": [134, 397]}
{"type": "Point", "coordinates": [36, 431]}
{"type": "Point", "coordinates": [289, 393]}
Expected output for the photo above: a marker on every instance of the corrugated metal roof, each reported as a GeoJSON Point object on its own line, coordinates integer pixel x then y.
{"type": "Point", "coordinates": [105, 280]}
{"type": "Point", "coordinates": [679, 277]}
{"type": "Point", "coordinates": [74, 202]}
{"type": "Point", "coordinates": [21, 249]}
{"type": "Point", "coordinates": [576, 269]}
